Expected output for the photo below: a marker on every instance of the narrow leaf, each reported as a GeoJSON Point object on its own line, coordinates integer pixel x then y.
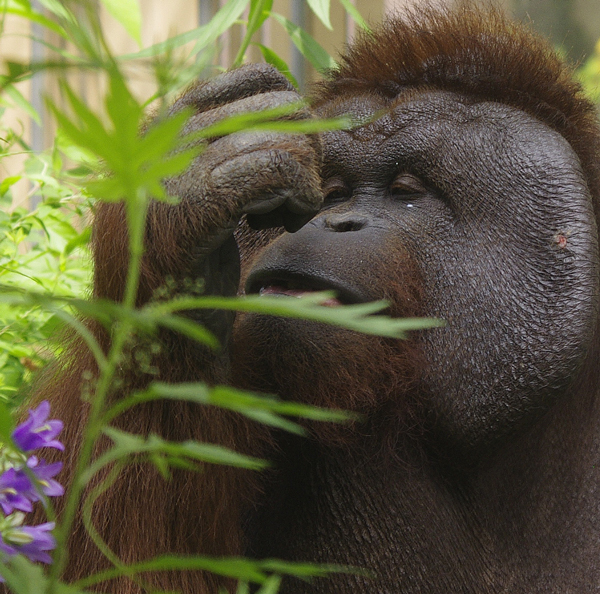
{"type": "Point", "coordinates": [20, 101]}
{"type": "Point", "coordinates": [234, 567]}
{"type": "Point", "coordinates": [305, 570]}
{"type": "Point", "coordinates": [190, 329]}
{"type": "Point", "coordinates": [357, 317]}
{"type": "Point", "coordinates": [355, 15]}
{"type": "Point", "coordinates": [271, 585]}
{"type": "Point", "coordinates": [263, 408]}
{"type": "Point", "coordinates": [36, 17]}
{"type": "Point", "coordinates": [203, 36]}
{"type": "Point", "coordinates": [307, 45]}
{"type": "Point", "coordinates": [6, 423]}
{"type": "Point", "coordinates": [128, 445]}
{"type": "Point", "coordinates": [127, 12]}
{"type": "Point", "coordinates": [270, 119]}
{"type": "Point", "coordinates": [274, 59]}
{"type": "Point", "coordinates": [322, 9]}
{"type": "Point", "coordinates": [259, 11]}
{"type": "Point", "coordinates": [59, 9]}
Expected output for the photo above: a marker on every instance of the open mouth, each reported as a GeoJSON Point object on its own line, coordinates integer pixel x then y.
{"type": "Point", "coordinates": [294, 285]}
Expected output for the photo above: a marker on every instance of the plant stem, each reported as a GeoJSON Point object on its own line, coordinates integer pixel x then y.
{"type": "Point", "coordinates": [136, 209]}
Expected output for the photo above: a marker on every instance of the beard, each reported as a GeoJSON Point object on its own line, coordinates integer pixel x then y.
{"type": "Point", "coordinates": [375, 378]}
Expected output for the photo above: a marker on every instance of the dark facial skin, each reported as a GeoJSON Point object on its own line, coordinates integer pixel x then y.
{"type": "Point", "coordinates": [492, 210]}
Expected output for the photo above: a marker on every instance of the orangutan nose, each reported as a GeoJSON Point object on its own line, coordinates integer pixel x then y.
{"type": "Point", "coordinates": [344, 222]}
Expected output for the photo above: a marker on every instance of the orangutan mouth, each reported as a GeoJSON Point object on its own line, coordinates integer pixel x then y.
{"type": "Point", "coordinates": [277, 291]}
{"type": "Point", "coordinates": [299, 286]}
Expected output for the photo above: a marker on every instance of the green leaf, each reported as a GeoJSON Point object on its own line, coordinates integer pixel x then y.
{"type": "Point", "coordinates": [271, 119]}
{"type": "Point", "coordinates": [51, 327]}
{"type": "Point", "coordinates": [134, 164]}
{"type": "Point", "coordinates": [259, 12]}
{"type": "Point", "coordinates": [235, 399]}
{"type": "Point", "coordinates": [124, 111]}
{"type": "Point", "coordinates": [306, 570]}
{"type": "Point", "coordinates": [127, 12]}
{"type": "Point", "coordinates": [16, 72]}
{"type": "Point", "coordinates": [82, 238]}
{"type": "Point", "coordinates": [22, 576]}
{"type": "Point", "coordinates": [234, 567]}
{"type": "Point", "coordinates": [355, 15]}
{"type": "Point", "coordinates": [307, 45]}
{"type": "Point", "coordinates": [108, 190]}
{"type": "Point", "coordinates": [203, 36]}
{"type": "Point", "coordinates": [357, 317]}
{"type": "Point", "coordinates": [271, 585]}
{"type": "Point", "coordinates": [190, 329]}
{"type": "Point", "coordinates": [20, 101]}
{"type": "Point", "coordinates": [89, 132]}
{"type": "Point", "coordinates": [7, 423]}
{"type": "Point", "coordinates": [147, 320]}
{"type": "Point", "coordinates": [59, 9]}
{"type": "Point", "coordinates": [128, 445]}
{"type": "Point", "coordinates": [322, 9]}
{"type": "Point", "coordinates": [161, 136]}
{"type": "Point", "coordinates": [7, 182]}
{"type": "Point", "coordinates": [238, 568]}
{"type": "Point", "coordinates": [274, 59]}
{"type": "Point", "coordinates": [27, 13]}
{"type": "Point", "coordinates": [25, 577]}
{"type": "Point", "coordinates": [259, 407]}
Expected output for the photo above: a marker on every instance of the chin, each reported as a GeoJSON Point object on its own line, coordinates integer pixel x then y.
{"type": "Point", "coordinates": [323, 365]}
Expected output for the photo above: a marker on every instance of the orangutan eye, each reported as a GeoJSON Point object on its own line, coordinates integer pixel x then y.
{"type": "Point", "coordinates": [407, 186]}
{"type": "Point", "coordinates": [335, 191]}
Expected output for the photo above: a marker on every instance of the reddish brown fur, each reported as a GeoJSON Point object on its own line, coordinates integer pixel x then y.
{"type": "Point", "coordinates": [143, 515]}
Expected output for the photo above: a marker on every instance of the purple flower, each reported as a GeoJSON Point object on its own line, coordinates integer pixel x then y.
{"type": "Point", "coordinates": [7, 549]}
{"type": "Point", "coordinates": [43, 473]}
{"type": "Point", "coordinates": [31, 541]}
{"type": "Point", "coordinates": [24, 480]}
{"type": "Point", "coordinates": [37, 431]}
{"type": "Point", "coordinates": [15, 491]}
{"type": "Point", "coordinates": [41, 541]}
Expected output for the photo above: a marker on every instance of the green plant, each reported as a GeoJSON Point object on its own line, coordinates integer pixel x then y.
{"type": "Point", "coordinates": [42, 250]}
{"type": "Point", "coordinates": [589, 74]}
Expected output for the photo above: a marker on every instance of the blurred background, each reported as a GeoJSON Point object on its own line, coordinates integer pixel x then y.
{"type": "Point", "coordinates": [572, 25]}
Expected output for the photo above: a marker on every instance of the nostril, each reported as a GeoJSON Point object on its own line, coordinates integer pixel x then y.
{"type": "Point", "coordinates": [348, 226]}
{"type": "Point", "coordinates": [345, 223]}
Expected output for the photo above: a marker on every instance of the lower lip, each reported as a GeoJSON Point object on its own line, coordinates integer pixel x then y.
{"type": "Point", "coordinates": [298, 294]}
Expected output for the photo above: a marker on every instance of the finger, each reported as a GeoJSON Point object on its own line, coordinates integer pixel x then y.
{"type": "Point", "coordinates": [253, 104]}
{"type": "Point", "coordinates": [242, 82]}
{"type": "Point", "coordinates": [242, 168]}
{"type": "Point", "coordinates": [273, 148]}
{"type": "Point", "coordinates": [280, 217]}
{"type": "Point", "coordinates": [265, 179]}
{"type": "Point", "coordinates": [270, 186]}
